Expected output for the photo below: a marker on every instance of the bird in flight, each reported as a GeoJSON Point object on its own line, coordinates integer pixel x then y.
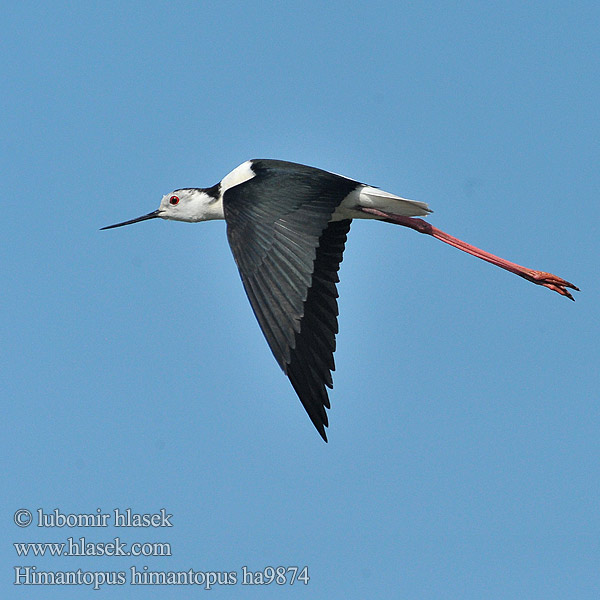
{"type": "Point", "coordinates": [287, 225]}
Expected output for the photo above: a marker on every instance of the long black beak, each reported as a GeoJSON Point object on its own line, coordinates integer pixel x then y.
{"type": "Point", "coordinates": [152, 215]}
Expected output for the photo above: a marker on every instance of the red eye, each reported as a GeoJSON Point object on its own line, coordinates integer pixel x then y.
{"type": "Point", "coordinates": [173, 200]}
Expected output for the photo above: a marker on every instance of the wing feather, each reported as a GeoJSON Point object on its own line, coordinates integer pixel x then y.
{"type": "Point", "coordinates": [288, 252]}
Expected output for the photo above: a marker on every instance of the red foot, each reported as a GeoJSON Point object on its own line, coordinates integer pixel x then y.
{"type": "Point", "coordinates": [552, 282]}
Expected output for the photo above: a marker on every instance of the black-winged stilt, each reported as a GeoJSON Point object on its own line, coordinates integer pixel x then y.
{"type": "Point", "coordinates": [287, 225]}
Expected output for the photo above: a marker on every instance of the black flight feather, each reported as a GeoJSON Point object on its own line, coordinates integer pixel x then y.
{"type": "Point", "coordinates": [288, 253]}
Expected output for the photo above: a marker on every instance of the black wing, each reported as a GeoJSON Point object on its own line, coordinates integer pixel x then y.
{"type": "Point", "coordinates": [288, 254]}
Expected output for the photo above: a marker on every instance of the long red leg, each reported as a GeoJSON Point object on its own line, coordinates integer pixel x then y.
{"type": "Point", "coordinates": [552, 282]}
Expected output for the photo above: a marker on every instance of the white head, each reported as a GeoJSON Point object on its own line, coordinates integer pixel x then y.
{"type": "Point", "coordinates": [187, 204]}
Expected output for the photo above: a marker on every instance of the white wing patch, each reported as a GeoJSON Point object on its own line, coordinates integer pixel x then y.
{"type": "Point", "coordinates": [239, 175]}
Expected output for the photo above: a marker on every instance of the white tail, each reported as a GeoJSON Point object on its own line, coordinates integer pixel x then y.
{"type": "Point", "coordinates": [371, 197]}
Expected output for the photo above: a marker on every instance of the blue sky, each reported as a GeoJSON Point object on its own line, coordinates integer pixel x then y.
{"type": "Point", "coordinates": [463, 459]}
